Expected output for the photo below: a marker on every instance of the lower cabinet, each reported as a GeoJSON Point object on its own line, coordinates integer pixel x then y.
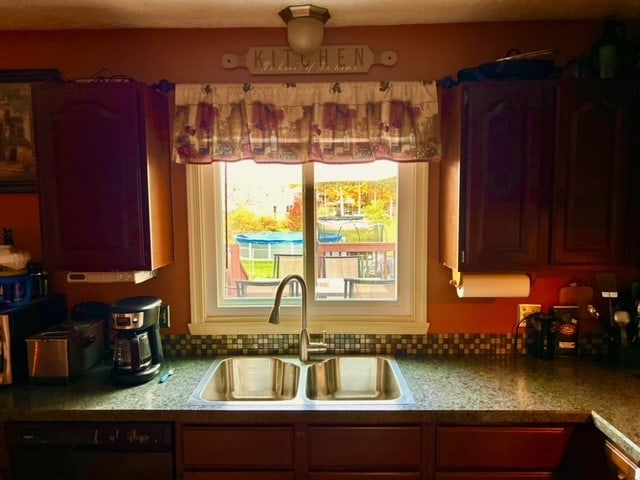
{"type": "Point", "coordinates": [348, 452]}
{"type": "Point", "coordinates": [4, 455]}
{"type": "Point", "coordinates": [500, 453]}
{"type": "Point", "coordinates": [364, 475]}
{"type": "Point", "coordinates": [496, 476]}
{"type": "Point", "coordinates": [238, 476]}
{"type": "Point", "coordinates": [307, 450]}
{"type": "Point", "coordinates": [238, 452]}
{"type": "Point", "coordinates": [620, 466]}
{"type": "Point", "coordinates": [301, 451]}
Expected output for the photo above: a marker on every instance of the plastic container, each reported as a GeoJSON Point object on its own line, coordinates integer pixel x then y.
{"type": "Point", "coordinates": [15, 291]}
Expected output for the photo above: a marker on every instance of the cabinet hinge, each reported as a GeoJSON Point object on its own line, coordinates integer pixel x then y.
{"type": "Point", "coordinates": [462, 256]}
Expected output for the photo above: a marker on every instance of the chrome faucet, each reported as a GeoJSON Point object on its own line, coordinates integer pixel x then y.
{"type": "Point", "coordinates": [306, 346]}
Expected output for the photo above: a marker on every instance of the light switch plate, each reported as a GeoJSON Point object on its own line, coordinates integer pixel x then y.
{"type": "Point", "coordinates": [165, 316]}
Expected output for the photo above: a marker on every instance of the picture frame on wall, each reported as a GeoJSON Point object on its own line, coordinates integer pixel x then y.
{"type": "Point", "coordinates": [17, 148]}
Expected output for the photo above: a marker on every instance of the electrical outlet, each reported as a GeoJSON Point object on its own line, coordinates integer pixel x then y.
{"type": "Point", "coordinates": [526, 309]}
{"type": "Point", "coordinates": [165, 316]}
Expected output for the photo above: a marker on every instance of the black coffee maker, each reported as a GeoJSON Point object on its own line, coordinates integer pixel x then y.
{"type": "Point", "coordinates": [541, 335]}
{"type": "Point", "coordinates": [137, 347]}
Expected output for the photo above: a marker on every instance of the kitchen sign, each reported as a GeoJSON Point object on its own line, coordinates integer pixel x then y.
{"type": "Point", "coordinates": [330, 59]}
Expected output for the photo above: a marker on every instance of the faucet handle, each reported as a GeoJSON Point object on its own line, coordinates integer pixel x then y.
{"type": "Point", "coordinates": [320, 347]}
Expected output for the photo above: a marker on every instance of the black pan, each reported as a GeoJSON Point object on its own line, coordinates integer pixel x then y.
{"type": "Point", "coordinates": [515, 66]}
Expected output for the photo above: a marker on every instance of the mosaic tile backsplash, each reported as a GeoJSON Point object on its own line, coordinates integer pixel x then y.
{"type": "Point", "coordinates": [396, 345]}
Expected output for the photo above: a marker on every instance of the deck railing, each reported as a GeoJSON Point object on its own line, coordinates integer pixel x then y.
{"type": "Point", "coordinates": [378, 260]}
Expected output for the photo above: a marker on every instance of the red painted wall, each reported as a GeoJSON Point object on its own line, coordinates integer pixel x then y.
{"type": "Point", "coordinates": [425, 52]}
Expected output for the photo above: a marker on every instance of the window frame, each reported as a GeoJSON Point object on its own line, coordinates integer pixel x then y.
{"type": "Point", "coordinates": [406, 316]}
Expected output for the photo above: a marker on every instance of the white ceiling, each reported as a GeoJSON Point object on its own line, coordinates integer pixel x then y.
{"type": "Point", "coordinates": [100, 14]}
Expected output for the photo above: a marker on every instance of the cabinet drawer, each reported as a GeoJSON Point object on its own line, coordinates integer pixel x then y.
{"type": "Point", "coordinates": [622, 467]}
{"type": "Point", "coordinates": [237, 447]}
{"type": "Point", "coordinates": [497, 448]}
{"type": "Point", "coordinates": [365, 447]}
{"type": "Point", "coordinates": [238, 476]}
{"type": "Point", "coordinates": [495, 476]}
{"type": "Point", "coordinates": [365, 476]}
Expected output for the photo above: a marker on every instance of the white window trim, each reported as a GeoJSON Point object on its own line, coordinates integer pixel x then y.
{"type": "Point", "coordinates": [201, 223]}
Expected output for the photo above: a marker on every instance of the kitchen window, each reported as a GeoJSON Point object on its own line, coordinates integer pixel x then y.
{"type": "Point", "coordinates": [218, 309]}
{"type": "Point", "coordinates": [335, 191]}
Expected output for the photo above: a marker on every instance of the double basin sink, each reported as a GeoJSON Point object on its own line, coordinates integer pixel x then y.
{"type": "Point", "coordinates": [270, 381]}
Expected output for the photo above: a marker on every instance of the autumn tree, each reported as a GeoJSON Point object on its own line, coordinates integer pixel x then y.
{"type": "Point", "coordinates": [294, 215]}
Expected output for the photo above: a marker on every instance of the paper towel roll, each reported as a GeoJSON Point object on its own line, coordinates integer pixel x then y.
{"type": "Point", "coordinates": [493, 285]}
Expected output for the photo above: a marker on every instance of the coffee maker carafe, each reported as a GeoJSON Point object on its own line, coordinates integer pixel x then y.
{"type": "Point", "coordinates": [137, 347]}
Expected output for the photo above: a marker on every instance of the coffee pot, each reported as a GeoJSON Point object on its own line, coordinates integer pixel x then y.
{"type": "Point", "coordinates": [137, 346]}
{"type": "Point", "coordinates": [541, 335]}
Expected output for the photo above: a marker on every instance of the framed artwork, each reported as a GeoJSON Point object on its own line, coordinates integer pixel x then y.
{"type": "Point", "coordinates": [17, 148]}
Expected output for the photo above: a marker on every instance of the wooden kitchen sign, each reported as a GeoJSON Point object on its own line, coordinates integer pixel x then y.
{"type": "Point", "coordinates": [330, 59]}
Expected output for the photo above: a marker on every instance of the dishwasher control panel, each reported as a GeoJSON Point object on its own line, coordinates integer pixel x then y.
{"type": "Point", "coordinates": [138, 436]}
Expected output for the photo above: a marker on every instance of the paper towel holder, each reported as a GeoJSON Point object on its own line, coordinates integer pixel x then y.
{"type": "Point", "coordinates": [456, 277]}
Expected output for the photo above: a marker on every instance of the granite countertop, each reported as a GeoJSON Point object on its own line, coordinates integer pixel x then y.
{"type": "Point", "coordinates": [445, 389]}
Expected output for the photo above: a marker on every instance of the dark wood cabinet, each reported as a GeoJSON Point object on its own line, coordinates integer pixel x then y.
{"type": "Point", "coordinates": [103, 153]}
{"type": "Point", "coordinates": [591, 170]}
{"type": "Point", "coordinates": [495, 175]}
{"type": "Point", "coordinates": [233, 452]}
{"type": "Point", "coordinates": [619, 465]}
{"type": "Point", "coordinates": [500, 452]}
{"type": "Point", "coordinates": [238, 476]}
{"type": "Point", "coordinates": [365, 451]}
{"type": "Point", "coordinates": [4, 454]}
{"type": "Point", "coordinates": [496, 476]}
{"type": "Point", "coordinates": [535, 174]}
{"type": "Point", "coordinates": [365, 476]}
{"type": "Point", "coordinates": [319, 452]}
{"type": "Point", "coordinates": [410, 451]}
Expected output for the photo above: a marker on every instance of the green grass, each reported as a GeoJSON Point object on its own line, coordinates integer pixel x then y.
{"type": "Point", "coordinates": [258, 268]}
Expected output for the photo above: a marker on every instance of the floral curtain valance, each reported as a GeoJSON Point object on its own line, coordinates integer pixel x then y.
{"type": "Point", "coordinates": [297, 123]}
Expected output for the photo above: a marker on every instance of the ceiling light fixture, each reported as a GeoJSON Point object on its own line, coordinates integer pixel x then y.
{"type": "Point", "coordinates": [305, 27]}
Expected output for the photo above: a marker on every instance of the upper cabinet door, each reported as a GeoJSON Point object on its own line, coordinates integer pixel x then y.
{"type": "Point", "coordinates": [501, 161]}
{"type": "Point", "coordinates": [591, 167]}
{"type": "Point", "coordinates": [103, 159]}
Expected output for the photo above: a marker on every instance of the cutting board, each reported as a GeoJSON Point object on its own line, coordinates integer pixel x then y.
{"type": "Point", "coordinates": [577, 294]}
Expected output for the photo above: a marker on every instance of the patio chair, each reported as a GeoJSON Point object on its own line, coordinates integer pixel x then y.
{"type": "Point", "coordinates": [286, 263]}
{"type": "Point", "coordinates": [261, 288]}
{"type": "Point", "coordinates": [373, 288]}
{"type": "Point", "coordinates": [341, 266]}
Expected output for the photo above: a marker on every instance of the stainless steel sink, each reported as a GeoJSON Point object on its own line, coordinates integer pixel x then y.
{"type": "Point", "coordinates": [251, 379]}
{"type": "Point", "coordinates": [353, 378]}
{"type": "Point", "coordinates": [284, 381]}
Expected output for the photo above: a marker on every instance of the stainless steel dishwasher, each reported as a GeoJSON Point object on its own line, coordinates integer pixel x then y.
{"type": "Point", "coordinates": [91, 450]}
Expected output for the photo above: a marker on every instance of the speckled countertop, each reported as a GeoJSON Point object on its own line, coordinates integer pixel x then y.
{"type": "Point", "coordinates": [444, 389]}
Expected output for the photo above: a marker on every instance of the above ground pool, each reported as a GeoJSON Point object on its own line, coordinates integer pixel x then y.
{"type": "Point", "coordinates": [283, 238]}
{"type": "Point", "coordinates": [263, 245]}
